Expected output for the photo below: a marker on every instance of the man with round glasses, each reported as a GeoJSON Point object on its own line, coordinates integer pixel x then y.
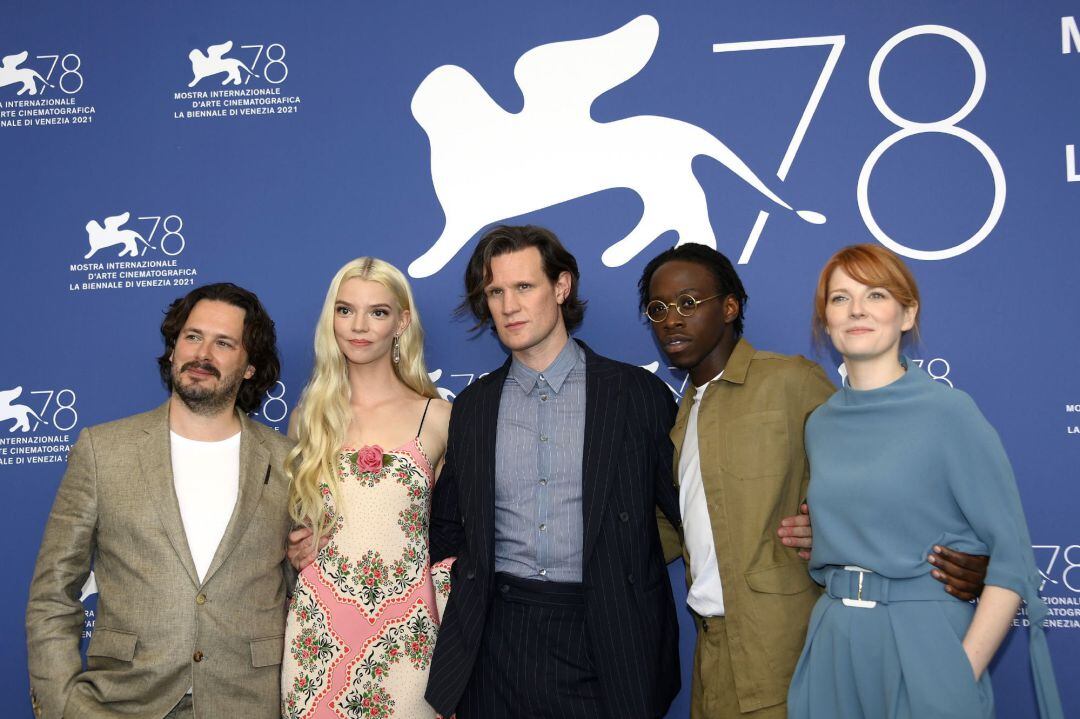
{"type": "Point", "coordinates": [740, 467]}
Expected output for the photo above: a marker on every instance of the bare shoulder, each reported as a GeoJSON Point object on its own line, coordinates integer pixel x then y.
{"type": "Point", "coordinates": [437, 422]}
{"type": "Point", "coordinates": [435, 431]}
{"type": "Point", "coordinates": [439, 411]}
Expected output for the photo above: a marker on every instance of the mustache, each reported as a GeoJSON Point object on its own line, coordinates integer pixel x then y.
{"type": "Point", "coordinates": [204, 366]}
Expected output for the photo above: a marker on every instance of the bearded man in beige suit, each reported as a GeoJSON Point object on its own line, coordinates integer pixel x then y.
{"type": "Point", "coordinates": [182, 511]}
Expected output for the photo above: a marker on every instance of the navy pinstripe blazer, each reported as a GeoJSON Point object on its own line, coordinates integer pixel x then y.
{"type": "Point", "coordinates": [626, 473]}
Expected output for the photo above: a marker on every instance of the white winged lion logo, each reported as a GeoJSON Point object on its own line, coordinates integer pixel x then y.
{"type": "Point", "coordinates": [12, 74]}
{"type": "Point", "coordinates": [18, 412]}
{"type": "Point", "coordinates": [214, 62]}
{"type": "Point", "coordinates": [568, 154]}
{"type": "Point", "coordinates": [101, 236]}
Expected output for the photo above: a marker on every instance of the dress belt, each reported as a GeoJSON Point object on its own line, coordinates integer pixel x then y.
{"type": "Point", "coordinates": [862, 588]}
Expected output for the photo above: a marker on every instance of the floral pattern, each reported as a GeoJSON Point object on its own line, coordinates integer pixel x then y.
{"type": "Point", "coordinates": [370, 701]}
{"type": "Point", "coordinates": [313, 649]}
{"type": "Point", "coordinates": [372, 583]}
{"type": "Point", "coordinates": [371, 579]}
{"type": "Point", "coordinates": [365, 464]}
{"type": "Point", "coordinates": [412, 639]}
{"type": "Point", "coordinates": [440, 575]}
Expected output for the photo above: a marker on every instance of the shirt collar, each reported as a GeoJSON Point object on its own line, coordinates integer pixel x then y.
{"type": "Point", "coordinates": [568, 359]}
{"type": "Point", "coordinates": [699, 392]}
{"type": "Point", "coordinates": [738, 363]}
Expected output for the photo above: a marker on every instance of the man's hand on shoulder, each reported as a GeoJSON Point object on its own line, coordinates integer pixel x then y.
{"type": "Point", "coordinates": [963, 575]}
{"type": "Point", "coordinates": [301, 550]}
{"type": "Point", "coordinates": [796, 531]}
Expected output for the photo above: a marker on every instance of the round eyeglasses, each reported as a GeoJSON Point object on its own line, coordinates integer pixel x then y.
{"type": "Point", "coordinates": [685, 305]}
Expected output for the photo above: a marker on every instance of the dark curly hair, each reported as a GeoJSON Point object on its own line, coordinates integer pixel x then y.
{"type": "Point", "coordinates": [504, 239]}
{"type": "Point", "coordinates": [260, 339]}
{"type": "Point", "coordinates": [727, 280]}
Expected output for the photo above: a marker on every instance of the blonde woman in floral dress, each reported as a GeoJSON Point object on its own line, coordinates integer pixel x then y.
{"type": "Point", "coordinates": [370, 432]}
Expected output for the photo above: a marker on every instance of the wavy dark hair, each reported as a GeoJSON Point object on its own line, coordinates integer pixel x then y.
{"type": "Point", "coordinates": [727, 279]}
{"type": "Point", "coordinates": [504, 239]}
{"type": "Point", "coordinates": [260, 339]}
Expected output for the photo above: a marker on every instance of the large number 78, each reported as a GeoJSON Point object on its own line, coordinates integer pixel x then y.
{"type": "Point", "coordinates": [908, 128]}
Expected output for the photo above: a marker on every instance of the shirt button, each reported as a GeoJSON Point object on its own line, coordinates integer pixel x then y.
{"type": "Point", "coordinates": [542, 378]}
{"type": "Point", "coordinates": [543, 398]}
{"type": "Point", "coordinates": [624, 516]}
{"type": "Point", "coordinates": [543, 438]}
{"type": "Point", "coordinates": [543, 527]}
{"type": "Point", "coordinates": [543, 572]}
{"type": "Point", "coordinates": [543, 482]}
{"type": "Point", "coordinates": [197, 656]}
{"type": "Point", "coordinates": [200, 599]}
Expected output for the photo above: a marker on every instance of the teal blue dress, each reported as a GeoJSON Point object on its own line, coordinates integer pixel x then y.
{"type": "Point", "coordinates": [894, 471]}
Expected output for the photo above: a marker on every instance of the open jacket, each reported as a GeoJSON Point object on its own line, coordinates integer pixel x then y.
{"type": "Point", "coordinates": [626, 475]}
{"type": "Point", "coordinates": [755, 472]}
{"type": "Point", "coordinates": [159, 630]}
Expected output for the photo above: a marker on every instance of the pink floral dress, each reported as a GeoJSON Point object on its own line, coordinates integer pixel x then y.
{"type": "Point", "coordinates": [362, 623]}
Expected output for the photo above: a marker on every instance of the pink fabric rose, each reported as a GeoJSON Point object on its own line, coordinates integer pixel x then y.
{"type": "Point", "coordinates": [370, 458]}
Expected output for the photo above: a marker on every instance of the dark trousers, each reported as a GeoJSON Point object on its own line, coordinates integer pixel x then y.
{"type": "Point", "coordinates": [534, 659]}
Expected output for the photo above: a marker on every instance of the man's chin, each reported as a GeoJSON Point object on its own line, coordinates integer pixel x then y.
{"type": "Point", "coordinates": [514, 344]}
{"type": "Point", "coordinates": [194, 391]}
{"type": "Point", "coordinates": [680, 361]}
{"type": "Point", "coordinates": [205, 402]}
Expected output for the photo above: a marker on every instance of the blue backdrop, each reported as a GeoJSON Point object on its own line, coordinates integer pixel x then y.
{"type": "Point", "coordinates": [130, 173]}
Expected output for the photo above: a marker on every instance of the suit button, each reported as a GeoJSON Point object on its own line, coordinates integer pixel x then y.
{"type": "Point", "coordinates": [197, 656]}
{"type": "Point", "coordinates": [630, 578]}
{"type": "Point", "coordinates": [200, 599]}
{"type": "Point", "coordinates": [624, 516]}
{"type": "Point", "coordinates": [463, 520]}
{"type": "Point", "coordinates": [470, 574]}
{"type": "Point", "coordinates": [504, 588]}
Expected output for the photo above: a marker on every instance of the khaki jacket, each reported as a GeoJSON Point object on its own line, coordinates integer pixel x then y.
{"type": "Point", "coordinates": [755, 472]}
{"type": "Point", "coordinates": [159, 630]}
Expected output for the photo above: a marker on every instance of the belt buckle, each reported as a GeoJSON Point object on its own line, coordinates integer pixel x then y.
{"type": "Point", "coordinates": [858, 601]}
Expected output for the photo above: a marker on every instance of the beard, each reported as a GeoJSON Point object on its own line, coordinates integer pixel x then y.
{"type": "Point", "coordinates": [207, 401]}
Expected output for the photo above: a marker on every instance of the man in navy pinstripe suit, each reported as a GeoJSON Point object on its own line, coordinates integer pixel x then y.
{"type": "Point", "coordinates": [555, 467]}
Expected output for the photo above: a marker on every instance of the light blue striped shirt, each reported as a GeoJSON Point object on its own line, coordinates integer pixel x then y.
{"type": "Point", "coordinates": [538, 456]}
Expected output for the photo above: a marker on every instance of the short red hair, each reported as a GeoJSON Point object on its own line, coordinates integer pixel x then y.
{"type": "Point", "coordinates": [874, 266]}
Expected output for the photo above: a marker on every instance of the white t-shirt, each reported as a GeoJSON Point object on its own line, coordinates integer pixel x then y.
{"type": "Point", "coordinates": [206, 476]}
{"type": "Point", "coordinates": [706, 595]}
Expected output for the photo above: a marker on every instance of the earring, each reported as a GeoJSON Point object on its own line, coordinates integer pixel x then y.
{"type": "Point", "coordinates": [395, 351]}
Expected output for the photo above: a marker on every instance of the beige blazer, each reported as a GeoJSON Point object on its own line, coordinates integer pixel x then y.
{"type": "Point", "coordinates": [755, 473]}
{"type": "Point", "coordinates": [159, 631]}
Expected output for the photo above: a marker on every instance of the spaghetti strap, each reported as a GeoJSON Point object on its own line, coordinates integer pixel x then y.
{"type": "Point", "coordinates": [423, 418]}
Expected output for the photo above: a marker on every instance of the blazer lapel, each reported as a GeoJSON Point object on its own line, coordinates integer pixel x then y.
{"type": "Point", "coordinates": [487, 433]}
{"type": "Point", "coordinates": [254, 466]}
{"type": "Point", "coordinates": [604, 410]}
{"type": "Point", "coordinates": [678, 432]}
{"type": "Point", "coordinates": [155, 459]}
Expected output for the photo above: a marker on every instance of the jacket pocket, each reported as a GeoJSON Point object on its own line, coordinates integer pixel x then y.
{"type": "Point", "coordinates": [780, 579]}
{"type": "Point", "coordinates": [112, 643]}
{"type": "Point", "coordinates": [267, 651]}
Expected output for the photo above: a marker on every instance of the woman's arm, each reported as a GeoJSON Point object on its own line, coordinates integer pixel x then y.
{"type": "Point", "coordinates": [995, 612]}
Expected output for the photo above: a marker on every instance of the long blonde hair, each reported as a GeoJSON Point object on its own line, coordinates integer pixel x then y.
{"type": "Point", "coordinates": [323, 415]}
